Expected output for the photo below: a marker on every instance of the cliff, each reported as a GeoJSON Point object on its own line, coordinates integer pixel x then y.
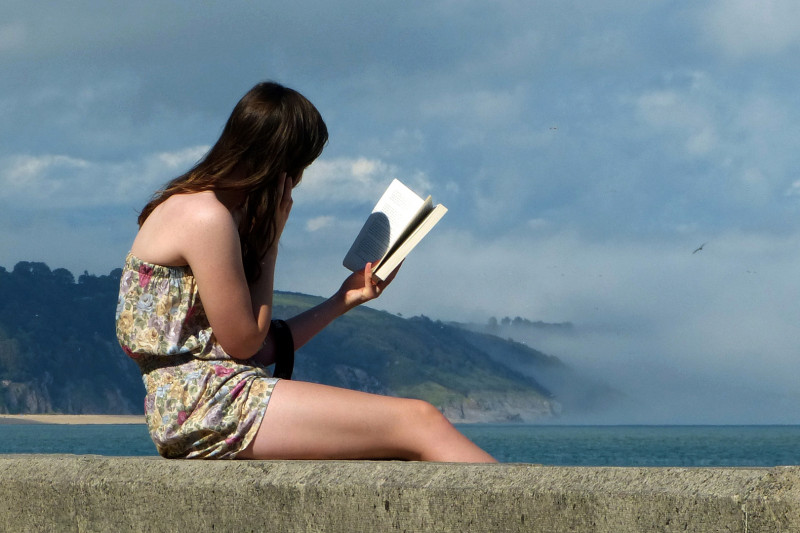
{"type": "Point", "coordinates": [58, 353]}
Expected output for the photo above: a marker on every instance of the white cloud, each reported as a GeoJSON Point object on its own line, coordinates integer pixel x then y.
{"type": "Point", "coordinates": [318, 223]}
{"type": "Point", "coordinates": [75, 243]}
{"type": "Point", "coordinates": [742, 28]}
{"type": "Point", "coordinates": [537, 224]}
{"type": "Point", "coordinates": [655, 138]}
{"type": "Point", "coordinates": [12, 36]}
{"type": "Point", "coordinates": [353, 180]}
{"type": "Point", "coordinates": [33, 176]}
{"type": "Point", "coordinates": [58, 181]}
{"type": "Point", "coordinates": [686, 112]}
{"type": "Point", "coordinates": [180, 160]}
{"type": "Point", "coordinates": [723, 317]}
{"type": "Point", "coordinates": [794, 189]}
{"type": "Point", "coordinates": [481, 117]}
{"type": "Point", "coordinates": [481, 105]}
{"type": "Point", "coordinates": [730, 141]}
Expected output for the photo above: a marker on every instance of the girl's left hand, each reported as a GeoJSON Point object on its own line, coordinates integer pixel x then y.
{"type": "Point", "coordinates": [360, 287]}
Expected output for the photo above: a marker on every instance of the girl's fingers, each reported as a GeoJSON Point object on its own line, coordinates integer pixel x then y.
{"type": "Point", "coordinates": [281, 185]}
{"type": "Point", "coordinates": [368, 276]}
{"type": "Point", "coordinates": [370, 290]}
{"type": "Point", "coordinates": [284, 196]}
{"type": "Point", "coordinates": [391, 276]}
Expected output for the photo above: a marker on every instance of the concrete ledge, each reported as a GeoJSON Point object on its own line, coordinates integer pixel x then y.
{"type": "Point", "coordinates": [92, 493]}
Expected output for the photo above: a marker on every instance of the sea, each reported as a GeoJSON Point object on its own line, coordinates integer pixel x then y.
{"type": "Point", "coordinates": [646, 446]}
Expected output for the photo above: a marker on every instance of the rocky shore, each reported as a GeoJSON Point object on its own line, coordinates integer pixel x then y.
{"type": "Point", "coordinates": [500, 408]}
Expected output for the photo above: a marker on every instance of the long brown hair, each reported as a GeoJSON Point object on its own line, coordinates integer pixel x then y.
{"type": "Point", "coordinates": [271, 131]}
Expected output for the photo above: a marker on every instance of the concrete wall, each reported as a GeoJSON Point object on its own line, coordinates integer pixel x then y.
{"type": "Point", "coordinates": [91, 493]}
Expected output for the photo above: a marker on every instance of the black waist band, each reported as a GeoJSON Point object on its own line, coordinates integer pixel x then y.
{"type": "Point", "coordinates": [284, 349]}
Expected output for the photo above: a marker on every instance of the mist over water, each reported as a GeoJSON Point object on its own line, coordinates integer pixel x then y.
{"type": "Point", "coordinates": [659, 387]}
{"type": "Point", "coordinates": [685, 338]}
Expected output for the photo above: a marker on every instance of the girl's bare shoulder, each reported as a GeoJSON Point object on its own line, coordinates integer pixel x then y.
{"type": "Point", "coordinates": [189, 213]}
{"type": "Point", "coordinates": [181, 221]}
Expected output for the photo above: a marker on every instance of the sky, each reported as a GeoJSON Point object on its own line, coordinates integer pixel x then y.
{"type": "Point", "coordinates": [584, 150]}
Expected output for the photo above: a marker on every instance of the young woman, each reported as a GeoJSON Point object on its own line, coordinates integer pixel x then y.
{"type": "Point", "coordinates": [195, 311]}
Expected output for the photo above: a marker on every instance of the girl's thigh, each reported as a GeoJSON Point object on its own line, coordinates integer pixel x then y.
{"type": "Point", "coordinates": [311, 421]}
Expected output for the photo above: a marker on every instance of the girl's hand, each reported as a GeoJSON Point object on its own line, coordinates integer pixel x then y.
{"type": "Point", "coordinates": [284, 206]}
{"type": "Point", "coordinates": [360, 287]}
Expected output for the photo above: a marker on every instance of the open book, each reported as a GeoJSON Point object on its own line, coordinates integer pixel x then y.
{"type": "Point", "coordinates": [398, 223]}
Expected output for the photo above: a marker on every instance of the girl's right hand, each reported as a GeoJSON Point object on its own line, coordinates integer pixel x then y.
{"type": "Point", "coordinates": [284, 206]}
{"type": "Point", "coordinates": [360, 287]}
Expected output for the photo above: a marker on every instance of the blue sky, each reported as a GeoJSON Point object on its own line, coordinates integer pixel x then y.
{"type": "Point", "coordinates": [584, 150]}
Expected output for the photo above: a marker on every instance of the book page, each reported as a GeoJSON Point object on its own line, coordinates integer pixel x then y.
{"type": "Point", "coordinates": [418, 231]}
{"type": "Point", "coordinates": [422, 213]}
{"type": "Point", "coordinates": [395, 211]}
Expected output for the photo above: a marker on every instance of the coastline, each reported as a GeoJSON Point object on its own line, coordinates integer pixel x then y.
{"type": "Point", "coordinates": [71, 419]}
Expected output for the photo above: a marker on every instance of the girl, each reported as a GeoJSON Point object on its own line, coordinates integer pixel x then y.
{"type": "Point", "coordinates": [195, 311]}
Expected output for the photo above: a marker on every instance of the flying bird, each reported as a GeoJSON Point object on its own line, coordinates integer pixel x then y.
{"type": "Point", "coordinates": [699, 248]}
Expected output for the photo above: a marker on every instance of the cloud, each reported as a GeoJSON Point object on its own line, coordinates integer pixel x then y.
{"type": "Point", "coordinates": [483, 105]}
{"type": "Point", "coordinates": [794, 189]}
{"type": "Point", "coordinates": [95, 240]}
{"type": "Point", "coordinates": [744, 29]}
{"type": "Point", "coordinates": [12, 36]}
{"type": "Point", "coordinates": [584, 150]}
{"type": "Point", "coordinates": [720, 152]}
{"type": "Point", "coordinates": [654, 320]}
{"type": "Point", "coordinates": [353, 180]}
{"type": "Point", "coordinates": [684, 112]}
{"type": "Point", "coordinates": [318, 223]}
{"type": "Point", "coordinates": [60, 181]}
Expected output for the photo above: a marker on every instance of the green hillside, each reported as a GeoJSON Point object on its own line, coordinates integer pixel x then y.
{"type": "Point", "coordinates": [415, 357]}
{"type": "Point", "coordinates": [58, 350]}
{"type": "Point", "coordinates": [58, 353]}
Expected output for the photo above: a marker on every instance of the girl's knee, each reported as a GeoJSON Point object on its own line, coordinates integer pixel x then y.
{"type": "Point", "coordinates": [427, 435]}
{"type": "Point", "coordinates": [422, 411]}
{"type": "Point", "coordinates": [425, 420]}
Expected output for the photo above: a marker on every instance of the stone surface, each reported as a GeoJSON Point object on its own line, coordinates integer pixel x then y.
{"type": "Point", "coordinates": [92, 493]}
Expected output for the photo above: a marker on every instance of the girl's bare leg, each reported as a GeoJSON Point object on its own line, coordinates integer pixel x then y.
{"type": "Point", "coordinates": [311, 421]}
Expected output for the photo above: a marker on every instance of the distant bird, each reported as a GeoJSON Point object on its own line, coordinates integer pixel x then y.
{"type": "Point", "coordinates": [699, 248]}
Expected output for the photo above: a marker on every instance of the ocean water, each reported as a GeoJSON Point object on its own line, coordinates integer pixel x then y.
{"type": "Point", "coordinates": [640, 445]}
{"type": "Point", "coordinates": [682, 446]}
{"type": "Point", "coordinates": [94, 439]}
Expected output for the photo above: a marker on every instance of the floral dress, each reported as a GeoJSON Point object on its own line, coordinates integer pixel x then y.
{"type": "Point", "coordinates": [200, 402]}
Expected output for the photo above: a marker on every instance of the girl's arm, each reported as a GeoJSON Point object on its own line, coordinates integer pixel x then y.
{"type": "Point", "coordinates": [239, 313]}
{"type": "Point", "coordinates": [239, 321]}
{"type": "Point", "coordinates": [357, 289]}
